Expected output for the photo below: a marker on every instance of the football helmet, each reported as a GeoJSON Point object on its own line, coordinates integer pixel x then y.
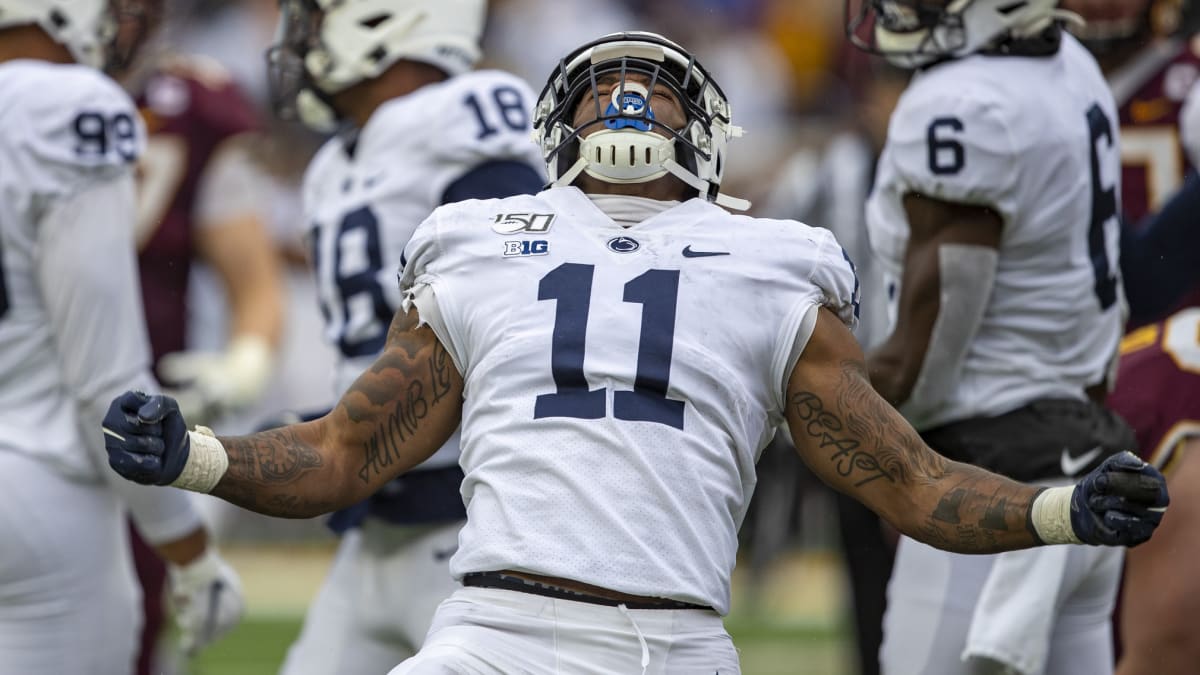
{"type": "Point", "coordinates": [324, 46]}
{"type": "Point", "coordinates": [916, 33]}
{"type": "Point", "coordinates": [85, 27]}
{"type": "Point", "coordinates": [626, 149]}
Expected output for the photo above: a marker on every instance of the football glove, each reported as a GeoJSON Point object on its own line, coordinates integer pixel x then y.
{"type": "Point", "coordinates": [210, 384]}
{"type": "Point", "coordinates": [1119, 503]}
{"type": "Point", "coordinates": [206, 596]}
{"type": "Point", "coordinates": [146, 438]}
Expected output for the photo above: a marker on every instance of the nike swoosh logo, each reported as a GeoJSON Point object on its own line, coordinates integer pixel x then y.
{"type": "Point", "coordinates": [689, 253]}
{"type": "Point", "coordinates": [1073, 465]}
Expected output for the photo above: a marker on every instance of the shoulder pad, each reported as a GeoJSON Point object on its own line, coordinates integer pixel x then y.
{"type": "Point", "coordinates": [69, 122]}
{"type": "Point", "coordinates": [953, 144]}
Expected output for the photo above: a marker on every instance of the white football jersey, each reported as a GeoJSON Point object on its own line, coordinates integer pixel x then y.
{"type": "Point", "coordinates": [364, 197]}
{"type": "Point", "coordinates": [63, 129]}
{"type": "Point", "coordinates": [1035, 139]}
{"type": "Point", "coordinates": [620, 382]}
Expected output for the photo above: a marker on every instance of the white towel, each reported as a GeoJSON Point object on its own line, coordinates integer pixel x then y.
{"type": "Point", "coordinates": [1014, 618]}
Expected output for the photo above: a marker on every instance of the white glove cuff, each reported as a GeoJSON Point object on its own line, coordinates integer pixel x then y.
{"type": "Point", "coordinates": [1051, 516]}
{"type": "Point", "coordinates": [207, 462]}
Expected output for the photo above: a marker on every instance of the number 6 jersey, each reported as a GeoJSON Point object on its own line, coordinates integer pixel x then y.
{"type": "Point", "coordinates": [620, 382]}
{"type": "Point", "coordinates": [1036, 140]}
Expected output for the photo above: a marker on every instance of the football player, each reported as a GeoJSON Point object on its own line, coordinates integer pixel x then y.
{"type": "Point", "coordinates": [1151, 70]}
{"type": "Point", "coordinates": [419, 129]}
{"type": "Point", "coordinates": [196, 202]}
{"type": "Point", "coordinates": [1158, 391]}
{"type": "Point", "coordinates": [619, 349]}
{"type": "Point", "coordinates": [1152, 63]}
{"type": "Point", "coordinates": [72, 332]}
{"type": "Point", "coordinates": [995, 214]}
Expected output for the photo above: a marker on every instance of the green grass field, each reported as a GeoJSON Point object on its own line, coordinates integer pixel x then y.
{"type": "Point", "coordinates": [258, 645]}
{"type": "Point", "coordinates": [786, 624]}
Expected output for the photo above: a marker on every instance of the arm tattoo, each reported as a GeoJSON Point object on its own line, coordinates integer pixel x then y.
{"type": "Point", "coordinates": [383, 424]}
{"type": "Point", "coordinates": [406, 415]}
{"type": "Point", "coordinates": [960, 507]}
{"type": "Point", "coordinates": [260, 464]}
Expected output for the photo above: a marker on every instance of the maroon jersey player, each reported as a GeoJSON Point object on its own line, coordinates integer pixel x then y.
{"type": "Point", "coordinates": [1158, 392]}
{"type": "Point", "coordinates": [197, 202]}
{"type": "Point", "coordinates": [1151, 70]}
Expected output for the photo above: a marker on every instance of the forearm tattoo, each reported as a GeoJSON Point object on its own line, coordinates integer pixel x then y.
{"type": "Point", "coordinates": [950, 505]}
{"type": "Point", "coordinates": [263, 465]}
{"type": "Point", "coordinates": [289, 472]}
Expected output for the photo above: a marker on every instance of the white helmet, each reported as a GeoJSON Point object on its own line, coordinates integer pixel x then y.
{"type": "Point", "coordinates": [915, 33]}
{"type": "Point", "coordinates": [628, 150]}
{"type": "Point", "coordinates": [325, 46]}
{"type": "Point", "coordinates": [85, 27]}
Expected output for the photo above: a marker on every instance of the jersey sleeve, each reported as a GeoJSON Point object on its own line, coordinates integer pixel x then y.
{"type": "Point", "coordinates": [954, 147]}
{"type": "Point", "coordinates": [82, 128]}
{"type": "Point", "coordinates": [833, 284]}
{"type": "Point", "coordinates": [419, 285]}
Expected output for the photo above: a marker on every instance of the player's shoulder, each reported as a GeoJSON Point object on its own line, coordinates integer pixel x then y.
{"type": "Point", "coordinates": [464, 111]}
{"type": "Point", "coordinates": [199, 90]}
{"type": "Point", "coordinates": [327, 167]}
{"type": "Point", "coordinates": [68, 116]}
{"type": "Point", "coordinates": [963, 89]}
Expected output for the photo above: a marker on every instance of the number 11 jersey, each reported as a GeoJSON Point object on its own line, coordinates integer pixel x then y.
{"type": "Point", "coordinates": [620, 382]}
{"type": "Point", "coordinates": [1035, 139]}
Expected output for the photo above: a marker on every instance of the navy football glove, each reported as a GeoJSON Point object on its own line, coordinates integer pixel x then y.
{"type": "Point", "coordinates": [1119, 503]}
{"type": "Point", "coordinates": [146, 438]}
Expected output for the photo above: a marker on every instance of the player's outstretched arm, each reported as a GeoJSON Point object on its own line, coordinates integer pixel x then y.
{"type": "Point", "coordinates": [860, 445]}
{"type": "Point", "coordinates": [394, 416]}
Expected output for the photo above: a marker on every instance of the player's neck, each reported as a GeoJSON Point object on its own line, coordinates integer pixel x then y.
{"type": "Point", "coordinates": [31, 42]}
{"type": "Point", "coordinates": [665, 189]}
{"type": "Point", "coordinates": [359, 102]}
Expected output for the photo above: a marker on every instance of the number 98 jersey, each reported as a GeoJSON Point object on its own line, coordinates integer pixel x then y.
{"type": "Point", "coordinates": [365, 194]}
{"type": "Point", "coordinates": [1036, 140]}
{"type": "Point", "coordinates": [63, 129]}
{"type": "Point", "coordinates": [620, 382]}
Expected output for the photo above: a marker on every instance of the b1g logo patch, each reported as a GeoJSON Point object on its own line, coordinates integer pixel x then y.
{"type": "Point", "coordinates": [530, 223]}
{"type": "Point", "coordinates": [527, 247]}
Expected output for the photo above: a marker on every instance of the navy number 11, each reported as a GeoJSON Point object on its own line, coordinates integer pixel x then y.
{"type": "Point", "coordinates": [570, 285]}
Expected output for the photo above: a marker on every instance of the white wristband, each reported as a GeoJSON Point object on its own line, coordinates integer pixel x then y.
{"type": "Point", "coordinates": [206, 464]}
{"type": "Point", "coordinates": [1051, 516]}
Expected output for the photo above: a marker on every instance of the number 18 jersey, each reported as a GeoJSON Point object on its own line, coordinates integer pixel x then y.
{"type": "Point", "coordinates": [1036, 140]}
{"type": "Point", "coordinates": [620, 382]}
{"type": "Point", "coordinates": [365, 194]}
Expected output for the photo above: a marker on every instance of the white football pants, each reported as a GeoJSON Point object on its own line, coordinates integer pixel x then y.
{"type": "Point", "coordinates": [488, 631]}
{"type": "Point", "coordinates": [933, 594]}
{"type": "Point", "coordinates": [377, 601]}
{"type": "Point", "coordinates": [69, 601]}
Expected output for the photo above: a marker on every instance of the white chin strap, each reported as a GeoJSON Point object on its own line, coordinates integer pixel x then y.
{"type": "Point", "coordinates": [314, 113]}
{"type": "Point", "coordinates": [624, 157]}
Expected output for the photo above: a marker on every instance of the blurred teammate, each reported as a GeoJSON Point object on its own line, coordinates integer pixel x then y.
{"type": "Point", "coordinates": [995, 213]}
{"type": "Point", "coordinates": [196, 202]}
{"type": "Point", "coordinates": [1152, 63]}
{"type": "Point", "coordinates": [625, 349]}
{"type": "Point", "coordinates": [71, 334]}
{"type": "Point", "coordinates": [421, 130]}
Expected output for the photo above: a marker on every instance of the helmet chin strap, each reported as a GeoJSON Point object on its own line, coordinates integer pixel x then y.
{"type": "Point", "coordinates": [626, 157]}
{"type": "Point", "coordinates": [314, 112]}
